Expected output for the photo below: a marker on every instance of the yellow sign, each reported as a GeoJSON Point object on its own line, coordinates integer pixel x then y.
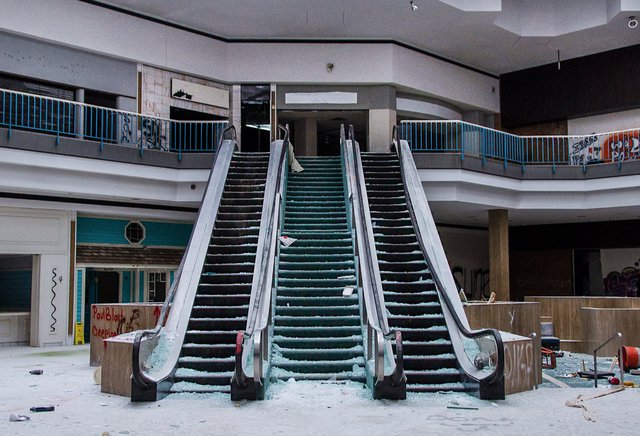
{"type": "Point", "coordinates": [79, 340]}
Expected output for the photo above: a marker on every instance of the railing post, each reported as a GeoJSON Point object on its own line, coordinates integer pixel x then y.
{"type": "Point", "coordinates": [58, 124]}
{"type": "Point", "coordinates": [102, 128]}
{"type": "Point", "coordinates": [461, 140]}
{"type": "Point", "coordinates": [10, 113]}
{"type": "Point", "coordinates": [553, 155]}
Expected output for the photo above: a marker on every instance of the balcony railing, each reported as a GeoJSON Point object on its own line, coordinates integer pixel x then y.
{"type": "Point", "coordinates": [485, 143]}
{"type": "Point", "coordinates": [64, 118]}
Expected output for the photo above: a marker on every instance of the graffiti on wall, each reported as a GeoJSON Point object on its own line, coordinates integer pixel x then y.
{"type": "Point", "coordinates": [616, 147]}
{"type": "Point", "coordinates": [474, 281]}
{"type": "Point", "coordinates": [586, 151]}
{"type": "Point", "coordinates": [519, 374]}
{"type": "Point", "coordinates": [625, 283]}
{"type": "Point", "coordinates": [110, 321]}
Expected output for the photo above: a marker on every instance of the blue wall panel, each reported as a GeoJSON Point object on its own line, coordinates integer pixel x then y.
{"type": "Point", "coordinates": [126, 287]}
{"type": "Point", "coordinates": [111, 231]}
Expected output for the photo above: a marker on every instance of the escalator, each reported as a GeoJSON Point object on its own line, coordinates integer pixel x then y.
{"type": "Point", "coordinates": [409, 291]}
{"type": "Point", "coordinates": [222, 299]}
{"type": "Point", "coordinates": [440, 352]}
{"type": "Point", "coordinates": [192, 347]}
{"type": "Point", "coordinates": [317, 329]}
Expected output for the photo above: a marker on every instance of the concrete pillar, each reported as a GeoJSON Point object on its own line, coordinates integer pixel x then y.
{"type": "Point", "coordinates": [499, 253]}
{"type": "Point", "coordinates": [306, 137]}
{"type": "Point", "coordinates": [235, 112]}
{"type": "Point", "coordinates": [381, 122]}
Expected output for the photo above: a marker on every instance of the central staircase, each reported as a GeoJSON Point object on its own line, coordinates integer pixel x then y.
{"type": "Point", "coordinates": [317, 330]}
{"type": "Point", "coordinates": [410, 295]}
{"type": "Point", "coordinates": [221, 304]}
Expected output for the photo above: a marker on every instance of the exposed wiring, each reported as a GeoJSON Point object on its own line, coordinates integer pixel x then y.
{"type": "Point", "coordinates": [52, 327]}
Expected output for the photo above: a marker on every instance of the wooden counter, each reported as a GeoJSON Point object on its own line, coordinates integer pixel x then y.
{"type": "Point", "coordinates": [14, 328]}
{"type": "Point", "coordinates": [519, 364]}
{"type": "Point", "coordinates": [109, 320]}
{"type": "Point", "coordinates": [520, 318]}
{"type": "Point", "coordinates": [568, 318]}
{"type": "Point", "coordinates": [599, 324]}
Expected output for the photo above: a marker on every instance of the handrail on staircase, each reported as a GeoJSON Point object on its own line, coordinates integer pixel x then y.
{"type": "Point", "coordinates": [144, 385]}
{"type": "Point", "coordinates": [391, 383]}
{"type": "Point", "coordinates": [253, 344]}
{"type": "Point", "coordinates": [491, 384]}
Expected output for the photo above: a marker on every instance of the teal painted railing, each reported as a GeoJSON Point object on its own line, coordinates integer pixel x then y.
{"type": "Point", "coordinates": [64, 118]}
{"type": "Point", "coordinates": [485, 143]}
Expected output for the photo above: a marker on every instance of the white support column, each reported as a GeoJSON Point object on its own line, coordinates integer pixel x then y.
{"type": "Point", "coordinates": [381, 122]}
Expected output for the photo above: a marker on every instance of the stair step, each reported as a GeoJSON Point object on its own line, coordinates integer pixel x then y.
{"type": "Point", "coordinates": [317, 332]}
{"type": "Point", "coordinates": [326, 342]}
{"type": "Point", "coordinates": [316, 321]}
{"type": "Point", "coordinates": [208, 350]}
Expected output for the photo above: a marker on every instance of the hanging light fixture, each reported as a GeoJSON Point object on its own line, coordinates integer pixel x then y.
{"type": "Point", "coordinates": [414, 6]}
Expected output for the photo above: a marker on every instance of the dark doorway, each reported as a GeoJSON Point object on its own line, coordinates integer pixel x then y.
{"type": "Point", "coordinates": [15, 283]}
{"type": "Point", "coordinates": [317, 132]}
{"type": "Point", "coordinates": [99, 123]}
{"type": "Point", "coordinates": [256, 118]}
{"type": "Point", "coordinates": [587, 273]}
{"type": "Point", "coordinates": [193, 136]}
{"type": "Point", "coordinates": [102, 287]}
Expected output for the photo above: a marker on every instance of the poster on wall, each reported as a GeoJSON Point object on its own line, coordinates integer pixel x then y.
{"type": "Point", "coordinates": [614, 147]}
{"type": "Point", "coordinates": [621, 272]}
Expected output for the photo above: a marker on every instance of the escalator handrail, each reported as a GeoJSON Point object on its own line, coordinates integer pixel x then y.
{"type": "Point", "coordinates": [262, 284]}
{"type": "Point", "coordinates": [227, 145]}
{"type": "Point", "coordinates": [265, 263]}
{"type": "Point", "coordinates": [371, 280]}
{"type": "Point", "coordinates": [410, 178]}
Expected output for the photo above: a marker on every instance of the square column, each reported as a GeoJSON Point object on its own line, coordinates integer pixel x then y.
{"type": "Point", "coordinates": [499, 253]}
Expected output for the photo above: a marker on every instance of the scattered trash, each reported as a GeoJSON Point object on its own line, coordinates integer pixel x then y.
{"type": "Point", "coordinates": [346, 277]}
{"type": "Point", "coordinates": [43, 408]}
{"type": "Point", "coordinates": [630, 384]}
{"type": "Point", "coordinates": [347, 291]}
{"type": "Point", "coordinates": [97, 375]}
{"type": "Point", "coordinates": [451, 406]}
{"type": "Point", "coordinates": [17, 418]}
{"type": "Point", "coordinates": [554, 381]}
{"type": "Point", "coordinates": [580, 399]}
{"type": "Point", "coordinates": [457, 405]}
{"type": "Point", "coordinates": [614, 380]}
{"type": "Point", "coordinates": [35, 372]}
{"type": "Point", "coordinates": [286, 240]}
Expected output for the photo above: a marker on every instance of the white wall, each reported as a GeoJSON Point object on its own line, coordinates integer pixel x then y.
{"type": "Point", "coordinates": [604, 123]}
{"type": "Point", "coordinates": [44, 234]}
{"type": "Point", "coordinates": [467, 249]}
{"type": "Point", "coordinates": [50, 174]}
{"type": "Point", "coordinates": [100, 30]}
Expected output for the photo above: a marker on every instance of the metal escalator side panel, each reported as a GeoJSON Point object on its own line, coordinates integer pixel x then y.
{"type": "Point", "coordinates": [389, 380]}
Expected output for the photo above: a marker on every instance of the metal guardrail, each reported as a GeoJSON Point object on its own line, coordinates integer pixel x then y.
{"type": "Point", "coordinates": [389, 377]}
{"type": "Point", "coordinates": [64, 118]}
{"type": "Point", "coordinates": [563, 150]}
